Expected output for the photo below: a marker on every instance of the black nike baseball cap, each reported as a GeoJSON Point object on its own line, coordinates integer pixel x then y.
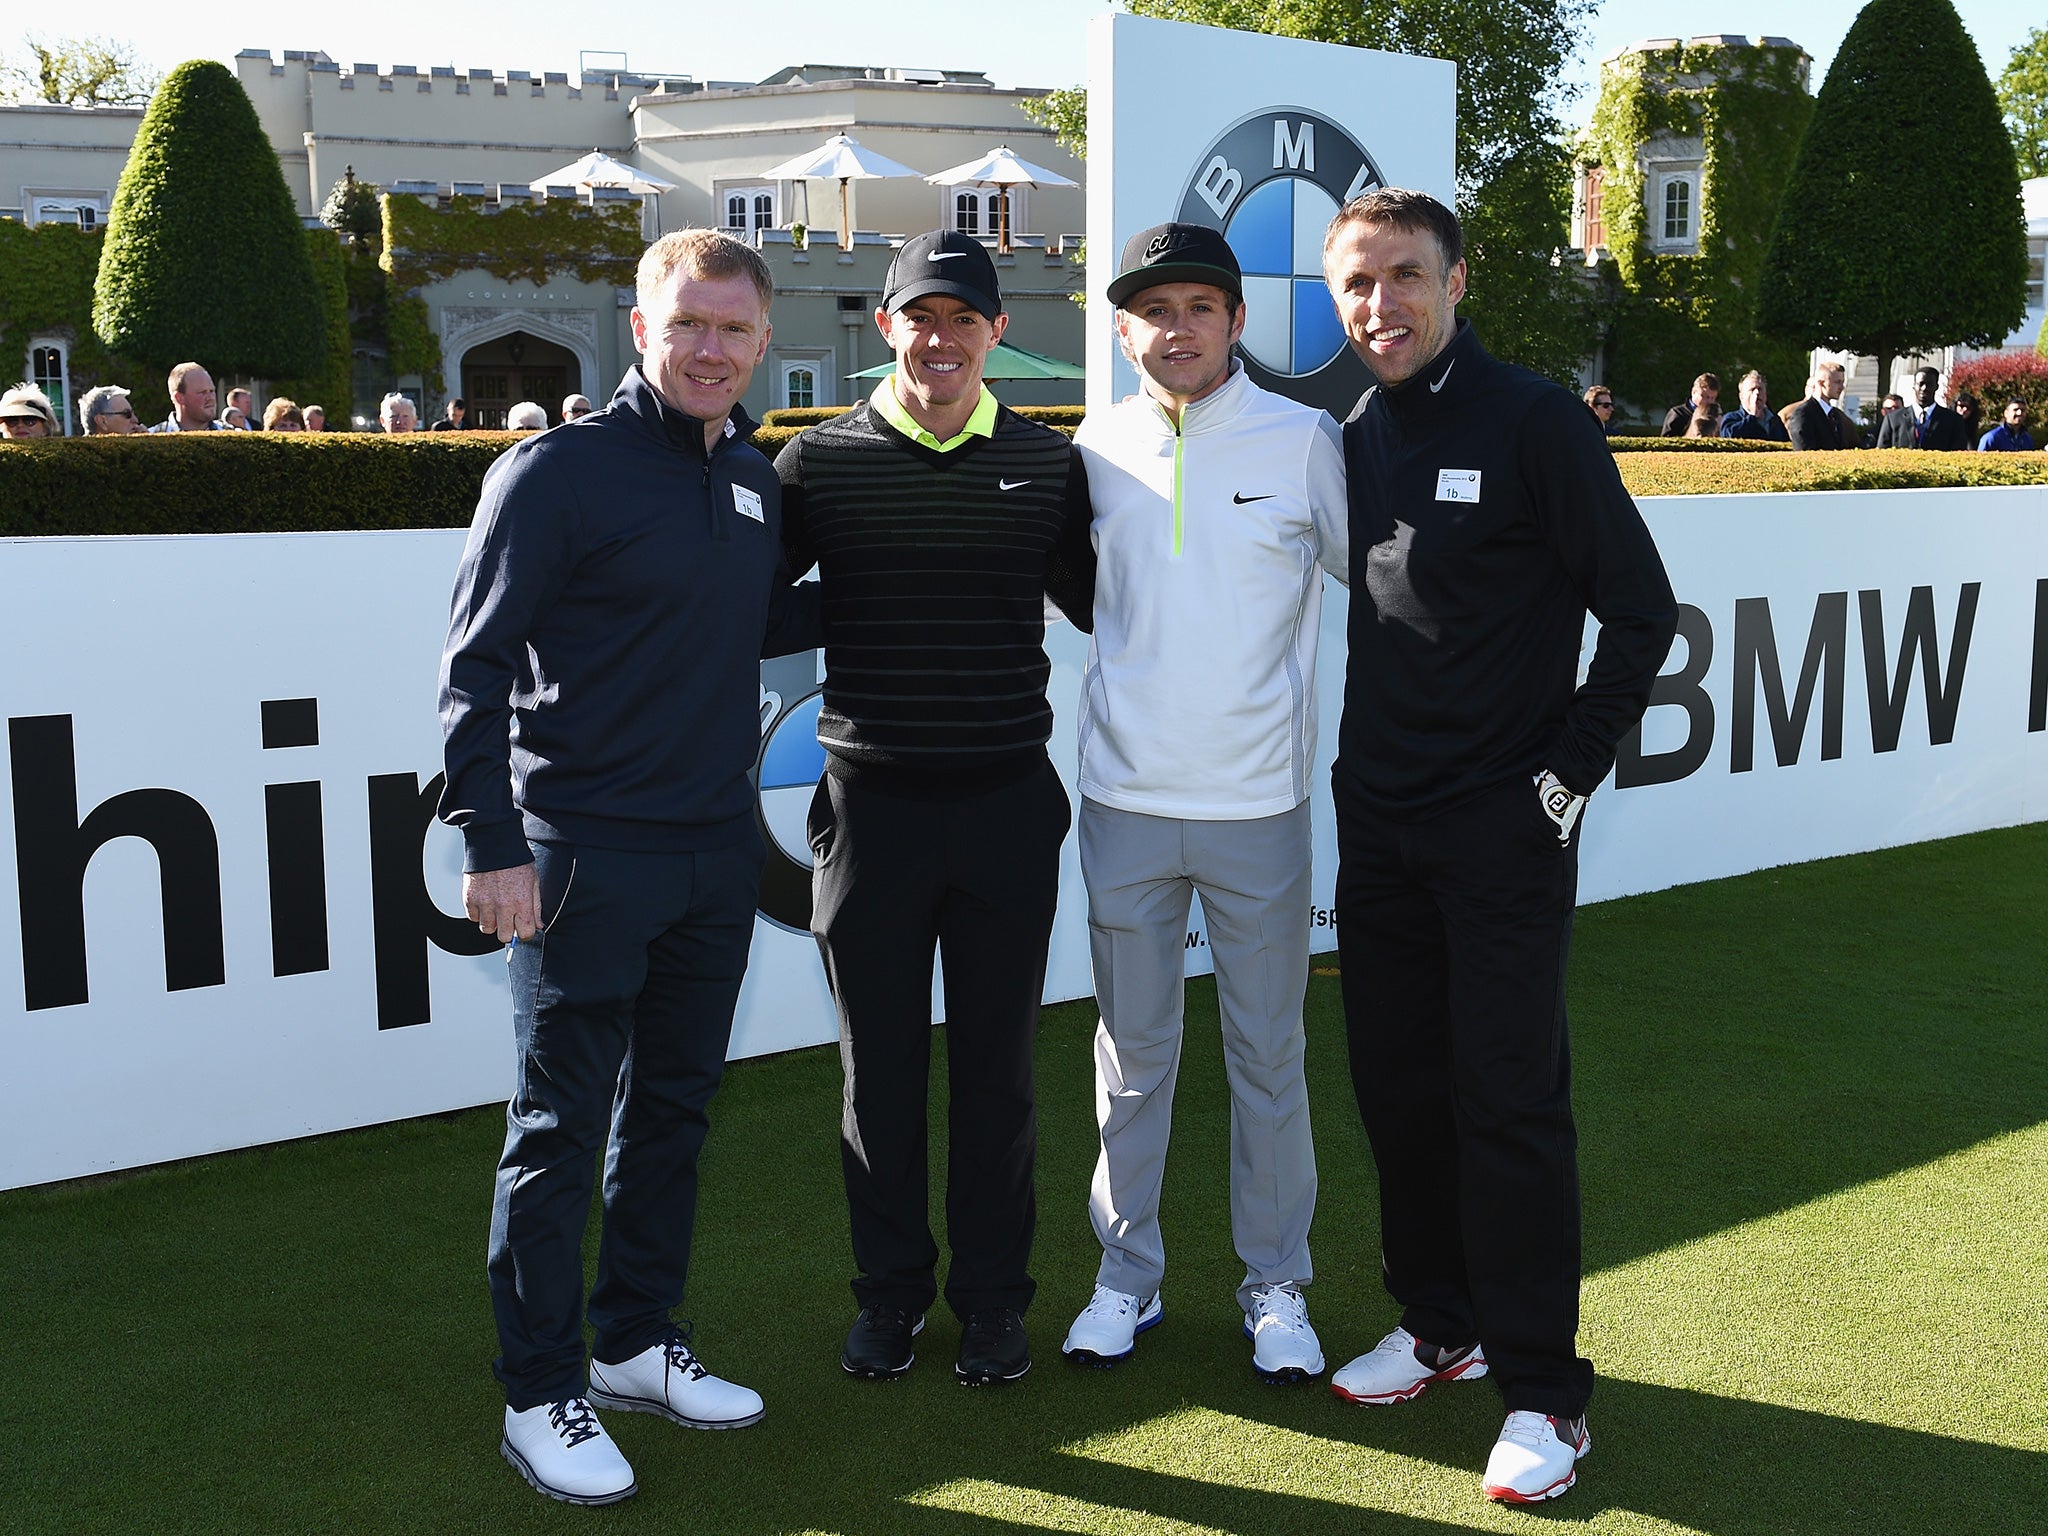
{"type": "Point", "coordinates": [943, 261]}
{"type": "Point", "coordinates": [1176, 253]}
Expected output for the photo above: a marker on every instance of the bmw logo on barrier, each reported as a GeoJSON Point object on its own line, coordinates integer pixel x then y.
{"type": "Point", "coordinates": [1272, 182]}
{"type": "Point", "coordinates": [786, 776]}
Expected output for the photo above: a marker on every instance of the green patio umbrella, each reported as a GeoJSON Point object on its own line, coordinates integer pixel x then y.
{"type": "Point", "coordinates": [1005, 362]}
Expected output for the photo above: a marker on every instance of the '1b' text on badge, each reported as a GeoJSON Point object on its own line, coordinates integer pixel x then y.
{"type": "Point", "coordinates": [1457, 485]}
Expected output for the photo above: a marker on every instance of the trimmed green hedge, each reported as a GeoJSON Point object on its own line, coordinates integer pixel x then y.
{"type": "Point", "coordinates": [1683, 474]}
{"type": "Point", "coordinates": [802, 415]}
{"type": "Point", "coordinates": [770, 437]}
{"type": "Point", "coordinates": [1629, 443]}
{"type": "Point", "coordinates": [204, 256]}
{"type": "Point", "coordinates": [245, 482]}
{"type": "Point", "coordinates": [1068, 416]}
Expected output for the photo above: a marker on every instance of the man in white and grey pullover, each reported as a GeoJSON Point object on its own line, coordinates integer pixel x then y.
{"type": "Point", "coordinates": [1218, 507]}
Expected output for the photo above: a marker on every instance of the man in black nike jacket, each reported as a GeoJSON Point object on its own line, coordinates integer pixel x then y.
{"type": "Point", "coordinates": [1487, 519]}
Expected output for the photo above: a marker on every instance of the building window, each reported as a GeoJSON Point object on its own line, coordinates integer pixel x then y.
{"type": "Point", "coordinates": [2037, 269]}
{"type": "Point", "coordinates": [87, 210]}
{"type": "Point", "coordinates": [49, 369]}
{"type": "Point", "coordinates": [1595, 227]}
{"type": "Point", "coordinates": [748, 209]}
{"type": "Point", "coordinates": [976, 210]}
{"type": "Point", "coordinates": [1677, 211]}
{"type": "Point", "coordinates": [803, 378]}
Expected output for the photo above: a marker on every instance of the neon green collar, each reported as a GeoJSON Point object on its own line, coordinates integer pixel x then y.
{"type": "Point", "coordinates": [885, 405]}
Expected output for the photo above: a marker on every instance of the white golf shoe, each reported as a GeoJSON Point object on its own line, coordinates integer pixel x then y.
{"type": "Point", "coordinates": [1401, 1366]}
{"type": "Point", "coordinates": [1536, 1457]}
{"type": "Point", "coordinates": [1284, 1346]}
{"type": "Point", "coordinates": [1108, 1327]}
{"type": "Point", "coordinates": [564, 1452]}
{"type": "Point", "coordinates": [669, 1380]}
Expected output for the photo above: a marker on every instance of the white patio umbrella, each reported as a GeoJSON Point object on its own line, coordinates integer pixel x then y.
{"type": "Point", "coordinates": [1002, 169]}
{"type": "Point", "coordinates": [839, 159]}
{"type": "Point", "coordinates": [598, 169]}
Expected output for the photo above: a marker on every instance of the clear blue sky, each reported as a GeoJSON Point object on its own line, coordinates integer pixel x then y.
{"type": "Point", "coordinates": [1037, 42]}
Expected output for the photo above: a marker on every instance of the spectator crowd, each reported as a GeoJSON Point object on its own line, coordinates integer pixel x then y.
{"type": "Point", "coordinates": [109, 411]}
{"type": "Point", "coordinates": [1818, 420]}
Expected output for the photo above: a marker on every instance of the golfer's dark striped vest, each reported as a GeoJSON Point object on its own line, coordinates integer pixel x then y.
{"type": "Point", "coordinates": [935, 568]}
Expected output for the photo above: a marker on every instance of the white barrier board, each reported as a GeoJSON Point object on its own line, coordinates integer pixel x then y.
{"type": "Point", "coordinates": [162, 856]}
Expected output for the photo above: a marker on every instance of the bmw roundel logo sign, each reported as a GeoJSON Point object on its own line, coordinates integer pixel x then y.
{"type": "Point", "coordinates": [786, 776]}
{"type": "Point", "coordinates": [1272, 182]}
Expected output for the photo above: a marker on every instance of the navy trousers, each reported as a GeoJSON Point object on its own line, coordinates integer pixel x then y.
{"type": "Point", "coordinates": [1455, 931]}
{"type": "Point", "coordinates": [622, 1011]}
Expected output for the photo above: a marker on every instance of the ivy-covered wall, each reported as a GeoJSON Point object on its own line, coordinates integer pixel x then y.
{"type": "Point", "coordinates": [521, 243]}
{"type": "Point", "coordinates": [1673, 317]}
{"type": "Point", "coordinates": [46, 282]}
{"type": "Point", "coordinates": [425, 242]}
{"type": "Point", "coordinates": [369, 298]}
{"type": "Point", "coordinates": [46, 278]}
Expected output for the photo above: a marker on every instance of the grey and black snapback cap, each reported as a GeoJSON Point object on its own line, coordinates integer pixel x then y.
{"type": "Point", "coordinates": [1176, 253]}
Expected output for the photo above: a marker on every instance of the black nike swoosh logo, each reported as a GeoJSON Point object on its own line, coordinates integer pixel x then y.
{"type": "Point", "coordinates": [1241, 499]}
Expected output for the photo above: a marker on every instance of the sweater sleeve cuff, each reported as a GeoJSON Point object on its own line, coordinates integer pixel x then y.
{"type": "Point", "coordinates": [1572, 768]}
{"type": "Point", "coordinates": [499, 845]}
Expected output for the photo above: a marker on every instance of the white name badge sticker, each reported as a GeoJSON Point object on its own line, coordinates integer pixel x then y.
{"type": "Point", "coordinates": [748, 503]}
{"type": "Point", "coordinates": [1457, 485]}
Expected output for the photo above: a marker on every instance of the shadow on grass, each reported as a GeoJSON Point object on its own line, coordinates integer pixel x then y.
{"type": "Point", "coordinates": [1748, 1045]}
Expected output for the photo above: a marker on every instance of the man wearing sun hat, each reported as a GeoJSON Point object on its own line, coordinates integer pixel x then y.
{"type": "Point", "coordinates": [1218, 507]}
{"type": "Point", "coordinates": [940, 522]}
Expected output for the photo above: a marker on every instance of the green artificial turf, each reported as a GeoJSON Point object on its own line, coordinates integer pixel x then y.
{"type": "Point", "coordinates": [1813, 1106]}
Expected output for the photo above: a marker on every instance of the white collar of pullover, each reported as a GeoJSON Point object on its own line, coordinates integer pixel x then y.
{"type": "Point", "coordinates": [1212, 411]}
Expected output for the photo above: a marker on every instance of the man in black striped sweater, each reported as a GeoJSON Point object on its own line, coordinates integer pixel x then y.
{"type": "Point", "coordinates": [939, 521]}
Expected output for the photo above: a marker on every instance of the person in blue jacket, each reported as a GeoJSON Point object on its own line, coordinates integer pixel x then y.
{"type": "Point", "coordinates": [1756, 420]}
{"type": "Point", "coordinates": [2011, 434]}
{"type": "Point", "coordinates": [599, 697]}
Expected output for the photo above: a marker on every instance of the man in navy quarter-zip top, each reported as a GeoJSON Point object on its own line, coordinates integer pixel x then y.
{"type": "Point", "coordinates": [599, 698]}
{"type": "Point", "coordinates": [1487, 520]}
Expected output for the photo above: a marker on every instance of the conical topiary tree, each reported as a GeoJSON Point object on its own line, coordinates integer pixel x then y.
{"type": "Point", "coordinates": [205, 258]}
{"type": "Point", "coordinates": [1901, 228]}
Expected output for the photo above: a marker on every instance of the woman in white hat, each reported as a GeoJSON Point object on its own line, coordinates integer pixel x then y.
{"type": "Point", "coordinates": [25, 411]}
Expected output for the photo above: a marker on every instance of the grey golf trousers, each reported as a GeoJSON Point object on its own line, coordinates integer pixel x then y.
{"type": "Point", "coordinates": [1253, 876]}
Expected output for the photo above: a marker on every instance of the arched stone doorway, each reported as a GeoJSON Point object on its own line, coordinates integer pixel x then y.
{"type": "Point", "coordinates": [499, 373]}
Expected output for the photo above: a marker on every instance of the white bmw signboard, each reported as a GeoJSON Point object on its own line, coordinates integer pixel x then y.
{"type": "Point", "coordinates": [1263, 138]}
{"type": "Point", "coordinates": [230, 917]}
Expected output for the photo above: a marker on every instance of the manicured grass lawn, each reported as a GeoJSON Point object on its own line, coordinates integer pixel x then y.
{"type": "Point", "coordinates": [1814, 1113]}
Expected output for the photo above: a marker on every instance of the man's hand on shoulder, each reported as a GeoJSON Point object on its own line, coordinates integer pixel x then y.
{"type": "Point", "coordinates": [504, 903]}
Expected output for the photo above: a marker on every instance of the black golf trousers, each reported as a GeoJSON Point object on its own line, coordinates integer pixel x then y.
{"type": "Point", "coordinates": [1455, 931]}
{"type": "Point", "coordinates": [977, 879]}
